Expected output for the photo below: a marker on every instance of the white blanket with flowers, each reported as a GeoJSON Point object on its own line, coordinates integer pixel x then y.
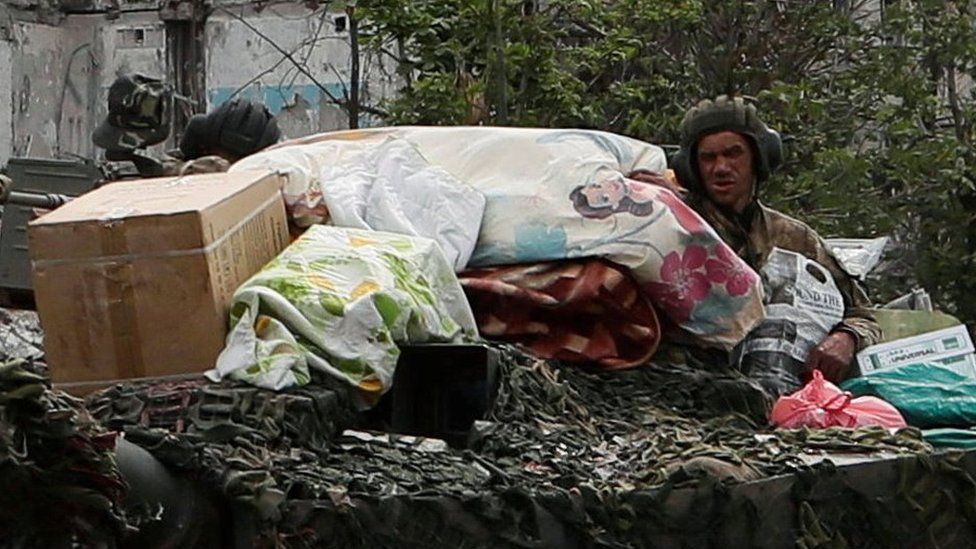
{"type": "Point", "coordinates": [549, 195]}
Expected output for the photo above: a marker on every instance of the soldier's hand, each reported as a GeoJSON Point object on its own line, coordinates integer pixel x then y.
{"type": "Point", "coordinates": [205, 164]}
{"type": "Point", "coordinates": [666, 180]}
{"type": "Point", "coordinates": [833, 356]}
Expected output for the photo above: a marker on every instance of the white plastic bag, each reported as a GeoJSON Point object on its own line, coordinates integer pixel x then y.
{"type": "Point", "coordinates": [858, 256]}
{"type": "Point", "coordinates": [802, 305]}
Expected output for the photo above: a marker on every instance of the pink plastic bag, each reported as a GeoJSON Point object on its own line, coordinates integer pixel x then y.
{"type": "Point", "coordinates": [822, 404]}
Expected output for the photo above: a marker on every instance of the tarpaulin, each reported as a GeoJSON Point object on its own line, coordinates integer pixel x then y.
{"type": "Point", "coordinates": [928, 395]}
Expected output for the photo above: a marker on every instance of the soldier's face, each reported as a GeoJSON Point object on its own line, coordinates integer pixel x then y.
{"type": "Point", "coordinates": [726, 168]}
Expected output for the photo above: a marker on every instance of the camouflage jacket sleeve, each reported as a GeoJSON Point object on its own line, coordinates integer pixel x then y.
{"type": "Point", "coordinates": [770, 229]}
{"type": "Point", "coordinates": [775, 229]}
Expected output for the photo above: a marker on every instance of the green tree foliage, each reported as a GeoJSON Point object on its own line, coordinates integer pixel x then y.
{"type": "Point", "coordinates": [875, 103]}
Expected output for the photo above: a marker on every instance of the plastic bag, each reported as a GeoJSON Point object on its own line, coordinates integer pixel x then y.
{"type": "Point", "coordinates": [802, 305]}
{"type": "Point", "coordinates": [950, 437]}
{"type": "Point", "coordinates": [928, 394]}
{"type": "Point", "coordinates": [858, 256]}
{"type": "Point", "coordinates": [822, 404]}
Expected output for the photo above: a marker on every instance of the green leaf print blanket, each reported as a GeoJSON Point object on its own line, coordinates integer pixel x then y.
{"type": "Point", "coordinates": [340, 300]}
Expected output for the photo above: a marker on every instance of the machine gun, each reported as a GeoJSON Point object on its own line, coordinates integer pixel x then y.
{"type": "Point", "coordinates": [31, 183]}
{"type": "Point", "coordinates": [48, 201]}
{"type": "Point", "coordinates": [139, 115]}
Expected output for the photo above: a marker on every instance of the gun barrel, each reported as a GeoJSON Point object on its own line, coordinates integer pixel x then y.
{"type": "Point", "coordinates": [37, 200]}
{"type": "Point", "coordinates": [48, 201]}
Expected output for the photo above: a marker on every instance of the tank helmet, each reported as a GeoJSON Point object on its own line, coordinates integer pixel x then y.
{"type": "Point", "coordinates": [238, 127]}
{"type": "Point", "coordinates": [725, 113]}
{"type": "Point", "coordinates": [140, 112]}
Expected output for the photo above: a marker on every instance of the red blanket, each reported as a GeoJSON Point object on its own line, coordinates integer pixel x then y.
{"type": "Point", "coordinates": [581, 311]}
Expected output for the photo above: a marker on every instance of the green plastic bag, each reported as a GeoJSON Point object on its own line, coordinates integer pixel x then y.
{"type": "Point", "coordinates": [928, 395]}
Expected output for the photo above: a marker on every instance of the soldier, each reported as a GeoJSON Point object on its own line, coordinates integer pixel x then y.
{"type": "Point", "coordinates": [140, 115]}
{"type": "Point", "coordinates": [726, 154]}
{"type": "Point", "coordinates": [140, 112]}
{"type": "Point", "coordinates": [237, 128]}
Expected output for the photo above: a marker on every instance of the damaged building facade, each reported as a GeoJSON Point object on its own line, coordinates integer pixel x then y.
{"type": "Point", "coordinates": [58, 59]}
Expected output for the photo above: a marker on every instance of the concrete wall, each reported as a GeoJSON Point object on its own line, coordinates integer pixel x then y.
{"type": "Point", "coordinates": [35, 76]}
{"type": "Point", "coordinates": [253, 64]}
{"type": "Point", "coordinates": [60, 74]}
{"type": "Point", "coordinates": [868, 11]}
{"type": "Point", "coordinates": [56, 71]}
{"type": "Point", "coordinates": [6, 96]}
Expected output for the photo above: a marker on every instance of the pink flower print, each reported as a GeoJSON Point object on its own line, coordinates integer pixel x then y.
{"type": "Point", "coordinates": [727, 268]}
{"type": "Point", "coordinates": [682, 284]}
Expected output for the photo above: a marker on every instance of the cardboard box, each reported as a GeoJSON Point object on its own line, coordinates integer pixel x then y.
{"type": "Point", "coordinates": [134, 279]}
{"type": "Point", "coordinates": [949, 346]}
{"type": "Point", "coordinates": [901, 323]}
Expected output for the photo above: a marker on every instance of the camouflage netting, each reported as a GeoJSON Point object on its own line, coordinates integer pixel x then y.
{"type": "Point", "coordinates": [59, 482]}
{"type": "Point", "coordinates": [647, 457]}
{"type": "Point", "coordinates": [20, 335]}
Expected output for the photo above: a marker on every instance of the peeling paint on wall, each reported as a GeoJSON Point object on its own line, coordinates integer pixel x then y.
{"type": "Point", "coordinates": [59, 77]}
{"type": "Point", "coordinates": [274, 97]}
{"type": "Point", "coordinates": [24, 95]}
{"type": "Point", "coordinates": [37, 61]}
{"type": "Point", "coordinates": [298, 118]}
{"type": "Point", "coordinates": [6, 96]}
{"type": "Point", "coordinates": [136, 43]}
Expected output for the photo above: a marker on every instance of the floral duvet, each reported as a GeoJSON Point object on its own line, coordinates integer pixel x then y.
{"type": "Point", "coordinates": [553, 194]}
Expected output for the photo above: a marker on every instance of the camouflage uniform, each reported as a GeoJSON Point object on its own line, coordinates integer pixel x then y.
{"type": "Point", "coordinates": [754, 233]}
{"type": "Point", "coordinates": [140, 112]}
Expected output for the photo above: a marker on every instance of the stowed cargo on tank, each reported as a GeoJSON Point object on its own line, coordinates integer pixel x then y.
{"type": "Point", "coordinates": [474, 444]}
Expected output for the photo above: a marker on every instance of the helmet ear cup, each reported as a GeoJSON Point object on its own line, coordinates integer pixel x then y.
{"type": "Point", "coordinates": [770, 145]}
{"type": "Point", "coordinates": [685, 172]}
{"type": "Point", "coordinates": [193, 142]}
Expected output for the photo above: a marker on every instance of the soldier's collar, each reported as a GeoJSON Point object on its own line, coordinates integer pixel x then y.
{"type": "Point", "coordinates": [744, 219]}
{"type": "Point", "coordinates": [750, 214]}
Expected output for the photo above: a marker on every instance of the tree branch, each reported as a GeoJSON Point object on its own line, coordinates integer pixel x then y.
{"type": "Point", "coordinates": [959, 122]}
{"type": "Point", "coordinates": [285, 53]}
